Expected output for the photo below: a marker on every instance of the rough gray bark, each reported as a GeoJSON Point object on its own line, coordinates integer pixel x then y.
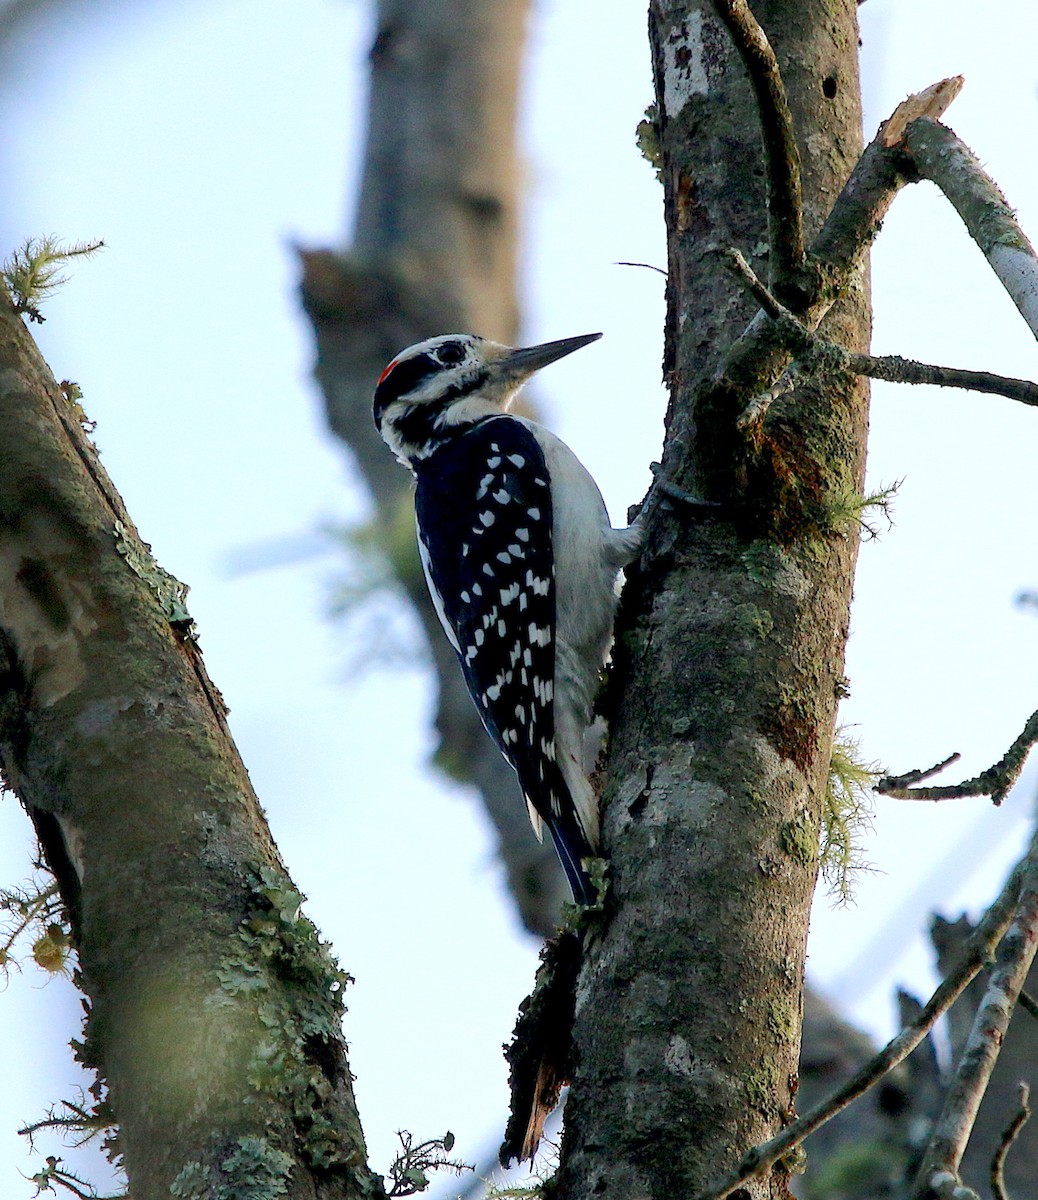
{"type": "Point", "coordinates": [689, 1004]}
{"type": "Point", "coordinates": [215, 1014]}
{"type": "Point", "coordinates": [433, 251]}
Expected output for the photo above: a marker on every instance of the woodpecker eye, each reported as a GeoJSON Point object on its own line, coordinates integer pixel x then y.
{"type": "Point", "coordinates": [451, 353]}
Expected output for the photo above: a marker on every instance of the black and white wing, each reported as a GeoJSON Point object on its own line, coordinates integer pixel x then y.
{"type": "Point", "coordinates": [485, 518]}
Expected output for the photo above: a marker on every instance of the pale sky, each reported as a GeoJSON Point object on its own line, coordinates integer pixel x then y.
{"type": "Point", "coordinates": [199, 141]}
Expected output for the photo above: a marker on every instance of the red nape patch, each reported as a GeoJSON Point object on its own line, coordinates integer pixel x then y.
{"type": "Point", "coordinates": [387, 370]}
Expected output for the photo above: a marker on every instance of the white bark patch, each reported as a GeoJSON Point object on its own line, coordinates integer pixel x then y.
{"type": "Point", "coordinates": [1018, 272]}
{"type": "Point", "coordinates": [73, 840]}
{"type": "Point", "coordinates": [684, 68]}
{"type": "Point", "coordinates": [678, 1057]}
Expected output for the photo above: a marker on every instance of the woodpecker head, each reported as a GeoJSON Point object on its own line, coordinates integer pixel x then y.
{"type": "Point", "coordinates": [448, 383]}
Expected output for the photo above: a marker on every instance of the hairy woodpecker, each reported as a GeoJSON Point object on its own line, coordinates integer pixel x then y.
{"type": "Point", "coordinates": [521, 562]}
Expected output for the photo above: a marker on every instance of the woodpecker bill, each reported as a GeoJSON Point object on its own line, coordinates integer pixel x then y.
{"type": "Point", "coordinates": [521, 562]}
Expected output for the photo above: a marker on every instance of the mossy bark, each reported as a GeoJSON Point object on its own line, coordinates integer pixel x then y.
{"type": "Point", "coordinates": [214, 1011]}
{"type": "Point", "coordinates": [729, 658]}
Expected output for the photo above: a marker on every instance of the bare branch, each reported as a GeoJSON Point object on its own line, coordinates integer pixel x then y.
{"type": "Point", "coordinates": [1023, 1115]}
{"type": "Point", "coordinates": [977, 951]}
{"type": "Point", "coordinates": [1013, 961]}
{"type": "Point", "coordinates": [785, 203]}
{"type": "Point", "coordinates": [995, 782]}
{"type": "Point", "coordinates": [939, 155]}
{"type": "Point", "coordinates": [895, 369]}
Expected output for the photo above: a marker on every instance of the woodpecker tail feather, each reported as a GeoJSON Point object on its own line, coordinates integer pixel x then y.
{"type": "Point", "coordinates": [572, 846]}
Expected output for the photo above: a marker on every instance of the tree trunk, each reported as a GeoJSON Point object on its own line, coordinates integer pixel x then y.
{"type": "Point", "coordinates": [729, 656]}
{"type": "Point", "coordinates": [215, 1012]}
{"type": "Point", "coordinates": [434, 251]}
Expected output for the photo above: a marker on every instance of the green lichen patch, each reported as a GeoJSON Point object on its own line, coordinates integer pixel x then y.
{"type": "Point", "coordinates": [168, 590]}
{"type": "Point", "coordinates": [760, 1094]}
{"type": "Point", "coordinates": [752, 621]}
{"type": "Point", "coordinates": [298, 1056]}
{"type": "Point", "coordinates": [647, 138]}
{"type": "Point", "coordinates": [799, 839]}
{"type": "Point", "coordinates": [783, 1020]}
{"type": "Point", "coordinates": [252, 1169]}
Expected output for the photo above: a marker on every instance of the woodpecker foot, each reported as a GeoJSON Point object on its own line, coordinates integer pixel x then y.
{"type": "Point", "coordinates": [673, 492]}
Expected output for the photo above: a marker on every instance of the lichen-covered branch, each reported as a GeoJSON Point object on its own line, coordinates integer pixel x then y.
{"type": "Point", "coordinates": [895, 369]}
{"type": "Point", "coordinates": [995, 782]}
{"type": "Point", "coordinates": [723, 687]}
{"type": "Point", "coordinates": [215, 1014]}
{"type": "Point", "coordinates": [939, 155]}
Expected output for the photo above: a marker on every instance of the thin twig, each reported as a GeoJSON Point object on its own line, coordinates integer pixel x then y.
{"type": "Point", "coordinates": [759, 405]}
{"type": "Point", "coordinates": [647, 266]}
{"type": "Point", "coordinates": [1013, 960]}
{"type": "Point", "coordinates": [1028, 1004]}
{"type": "Point", "coordinates": [910, 778]}
{"type": "Point", "coordinates": [1023, 1115]}
{"type": "Point", "coordinates": [977, 951]}
{"type": "Point", "coordinates": [995, 782]}
{"type": "Point", "coordinates": [785, 203]}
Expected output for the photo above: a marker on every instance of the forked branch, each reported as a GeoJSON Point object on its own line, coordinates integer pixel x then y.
{"type": "Point", "coordinates": [995, 782]}
{"type": "Point", "coordinates": [817, 356]}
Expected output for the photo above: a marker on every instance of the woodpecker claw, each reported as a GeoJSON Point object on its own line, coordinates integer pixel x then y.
{"type": "Point", "coordinates": [673, 492]}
